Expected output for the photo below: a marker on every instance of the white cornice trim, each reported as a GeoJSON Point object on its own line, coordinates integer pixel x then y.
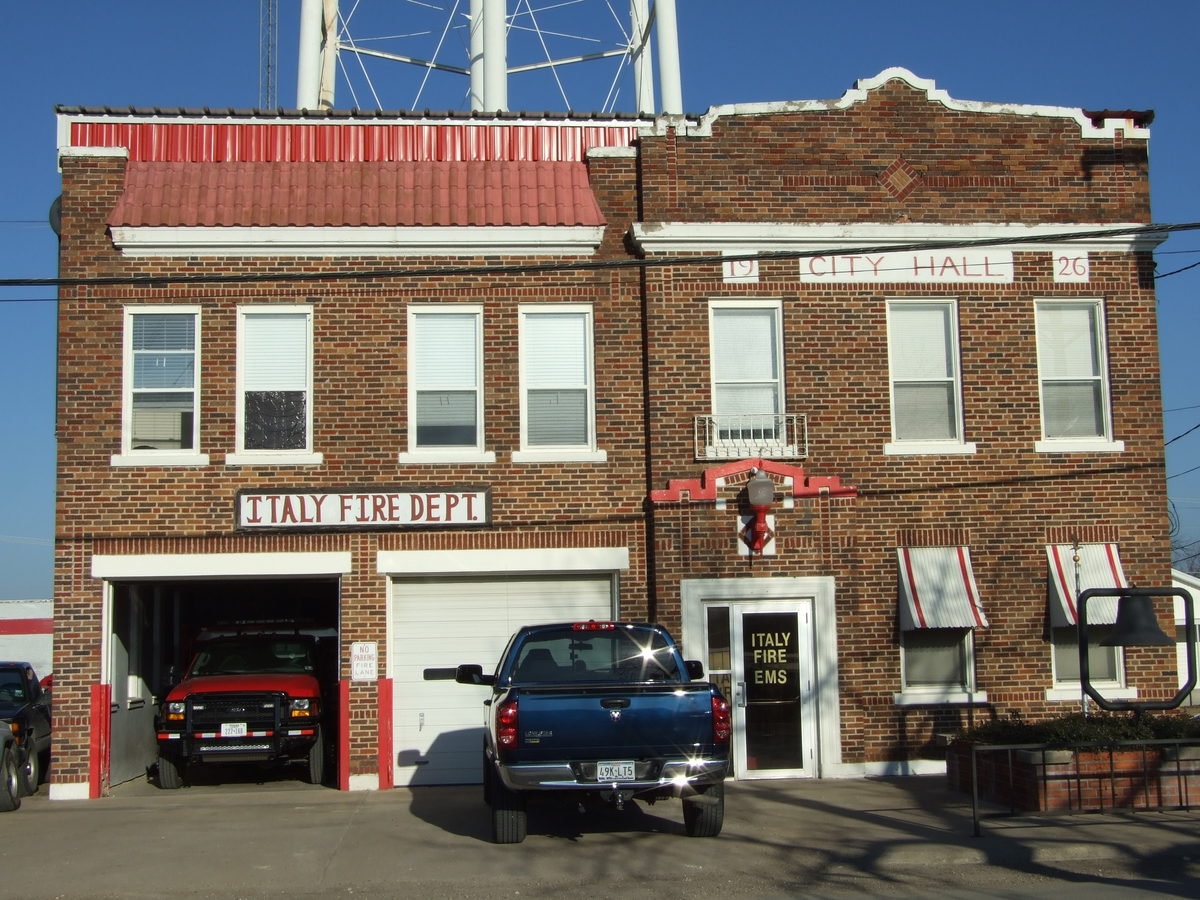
{"type": "Point", "coordinates": [765, 237]}
{"type": "Point", "coordinates": [863, 87]}
{"type": "Point", "coordinates": [561, 559]}
{"type": "Point", "coordinates": [94, 151]}
{"type": "Point", "coordinates": [198, 565]}
{"type": "Point", "coordinates": [531, 240]}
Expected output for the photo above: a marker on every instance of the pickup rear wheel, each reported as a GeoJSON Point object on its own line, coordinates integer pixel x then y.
{"type": "Point", "coordinates": [169, 776]}
{"type": "Point", "coordinates": [509, 820]}
{"type": "Point", "coordinates": [10, 781]}
{"type": "Point", "coordinates": [316, 760]}
{"type": "Point", "coordinates": [704, 814]}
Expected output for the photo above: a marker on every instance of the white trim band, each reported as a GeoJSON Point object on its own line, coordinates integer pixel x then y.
{"type": "Point", "coordinates": [564, 559]}
{"type": "Point", "coordinates": [765, 237]}
{"type": "Point", "coordinates": [261, 241]}
{"type": "Point", "coordinates": [220, 565]}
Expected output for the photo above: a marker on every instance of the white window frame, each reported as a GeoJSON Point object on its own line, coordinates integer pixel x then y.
{"type": "Point", "coordinates": [1072, 688]}
{"type": "Point", "coordinates": [774, 306]}
{"type": "Point", "coordinates": [254, 457]}
{"type": "Point", "coordinates": [129, 455]}
{"type": "Point", "coordinates": [1101, 443]}
{"type": "Point", "coordinates": [433, 455]}
{"type": "Point", "coordinates": [958, 445]}
{"type": "Point", "coordinates": [586, 451]}
{"type": "Point", "coordinates": [924, 694]}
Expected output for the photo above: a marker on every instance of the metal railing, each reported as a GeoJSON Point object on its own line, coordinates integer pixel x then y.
{"type": "Point", "coordinates": [773, 436]}
{"type": "Point", "coordinates": [1164, 777]}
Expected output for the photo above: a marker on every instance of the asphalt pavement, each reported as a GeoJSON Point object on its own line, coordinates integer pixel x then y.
{"type": "Point", "coordinates": [268, 835]}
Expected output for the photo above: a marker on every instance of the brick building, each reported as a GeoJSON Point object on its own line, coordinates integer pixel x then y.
{"type": "Point", "coordinates": [422, 379]}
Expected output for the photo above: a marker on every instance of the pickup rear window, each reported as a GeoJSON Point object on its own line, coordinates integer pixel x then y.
{"type": "Point", "coordinates": [619, 656]}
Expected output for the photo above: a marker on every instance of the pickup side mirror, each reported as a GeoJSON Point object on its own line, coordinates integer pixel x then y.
{"type": "Point", "coordinates": [695, 669]}
{"type": "Point", "coordinates": [440, 674]}
{"type": "Point", "coordinates": [472, 674]}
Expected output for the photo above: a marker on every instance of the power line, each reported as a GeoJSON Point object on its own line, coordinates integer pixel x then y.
{"type": "Point", "coordinates": [1185, 434]}
{"type": "Point", "coordinates": [589, 265]}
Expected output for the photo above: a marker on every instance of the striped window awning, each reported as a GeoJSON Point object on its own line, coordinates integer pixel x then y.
{"type": "Point", "coordinates": [937, 589]}
{"type": "Point", "coordinates": [1099, 567]}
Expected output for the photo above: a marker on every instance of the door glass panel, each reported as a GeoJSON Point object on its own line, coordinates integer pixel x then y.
{"type": "Point", "coordinates": [719, 656]}
{"type": "Point", "coordinates": [771, 665]}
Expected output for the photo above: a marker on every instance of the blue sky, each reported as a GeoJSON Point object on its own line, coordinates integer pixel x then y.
{"type": "Point", "coordinates": [1093, 54]}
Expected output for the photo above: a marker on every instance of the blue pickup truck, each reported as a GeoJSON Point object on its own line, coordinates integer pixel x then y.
{"type": "Point", "coordinates": [601, 710]}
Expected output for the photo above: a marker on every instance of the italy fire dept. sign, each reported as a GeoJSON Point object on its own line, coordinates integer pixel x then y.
{"type": "Point", "coordinates": [369, 508]}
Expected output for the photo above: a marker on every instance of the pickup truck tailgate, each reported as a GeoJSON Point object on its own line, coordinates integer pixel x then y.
{"type": "Point", "coordinates": [570, 722]}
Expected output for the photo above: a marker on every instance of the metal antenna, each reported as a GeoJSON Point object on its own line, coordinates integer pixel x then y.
{"type": "Point", "coordinates": [268, 53]}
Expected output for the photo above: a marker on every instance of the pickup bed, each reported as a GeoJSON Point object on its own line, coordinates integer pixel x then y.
{"type": "Point", "coordinates": [601, 710]}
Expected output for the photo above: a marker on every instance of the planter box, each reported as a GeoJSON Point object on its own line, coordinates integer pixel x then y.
{"type": "Point", "coordinates": [1042, 780]}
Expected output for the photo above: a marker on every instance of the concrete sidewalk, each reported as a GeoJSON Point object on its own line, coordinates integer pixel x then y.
{"type": "Point", "coordinates": [284, 838]}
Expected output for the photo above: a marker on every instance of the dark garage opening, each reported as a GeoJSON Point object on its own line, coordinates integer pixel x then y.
{"type": "Point", "coordinates": [155, 625]}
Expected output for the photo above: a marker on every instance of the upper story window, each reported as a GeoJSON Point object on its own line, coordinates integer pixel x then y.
{"type": "Point", "coordinates": [925, 380]}
{"type": "Point", "coordinates": [445, 384]}
{"type": "Point", "coordinates": [1073, 375]}
{"type": "Point", "coordinates": [274, 386]}
{"type": "Point", "coordinates": [557, 384]}
{"type": "Point", "coordinates": [160, 421]}
{"type": "Point", "coordinates": [748, 417]}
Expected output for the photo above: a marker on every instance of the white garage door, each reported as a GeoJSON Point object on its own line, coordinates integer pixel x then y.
{"type": "Point", "coordinates": [438, 737]}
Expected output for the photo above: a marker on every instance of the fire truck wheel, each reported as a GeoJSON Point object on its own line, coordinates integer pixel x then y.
{"type": "Point", "coordinates": [316, 760]}
{"type": "Point", "coordinates": [169, 776]}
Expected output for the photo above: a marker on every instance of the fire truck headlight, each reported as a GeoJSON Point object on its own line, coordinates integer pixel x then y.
{"type": "Point", "coordinates": [302, 707]}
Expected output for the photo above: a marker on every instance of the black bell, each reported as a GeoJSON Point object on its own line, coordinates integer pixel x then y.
{"type": "Point", "coordinates": [1136, 624]}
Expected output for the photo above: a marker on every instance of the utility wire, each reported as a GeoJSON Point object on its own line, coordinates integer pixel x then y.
{"type": "Point", "coordinates": [591, 265]}
{"type": "Point", "coordinates": [1185, 434]}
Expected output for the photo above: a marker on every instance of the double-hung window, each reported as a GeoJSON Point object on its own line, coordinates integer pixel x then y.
{"type": "Point", "coordinates": [275, 374]}
{"type": "Point", "coordinates": [1073, 375]}
{"type": "Point", "coordinates": [924, 371]}
{"type": "Point", "coordinates": [937, 662]}
{"type": "Point", "coordinates": [747, 381]}
{"type": "Point", "coordinates": [160, 424]}
{"type": "Point", "coordinates": [940, 608]}
{"type": "Point", "coordinates": [445, 384]}
{"type": "Point", "coordinates": [1074, 568]}
{"type": "Point", "coordinates": [558, 416]}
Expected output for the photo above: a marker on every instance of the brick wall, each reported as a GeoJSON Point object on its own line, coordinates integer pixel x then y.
{"type": "Point", "coordinates": [894, 157]}
{"type": "Point", "coordinates": [1006, 501]}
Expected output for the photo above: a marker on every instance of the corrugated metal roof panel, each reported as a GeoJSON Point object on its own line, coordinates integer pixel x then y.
{"type": "Point", "coordinates": [208, 141]}
{"type": "Point", "coordinates": [356, 194]}
{"type": "Point", "coordinates": [937, 589]}
{"type": "Point", "coordinates": [1099, 567]}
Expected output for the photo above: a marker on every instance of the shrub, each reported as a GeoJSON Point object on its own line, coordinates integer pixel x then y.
{"type": "Point", "coordinates": [1100, 728]}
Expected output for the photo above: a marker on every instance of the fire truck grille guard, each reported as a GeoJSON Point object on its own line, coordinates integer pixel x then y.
{"type": "Point", "coordinates": [234, 748]}
{"type": "Point", "coordinates": [259, 712]}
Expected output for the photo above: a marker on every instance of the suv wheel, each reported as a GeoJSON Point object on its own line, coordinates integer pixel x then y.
{"type": "Point", "coordinates": [31, 772]}
{"type": "Point", "coordinates": [10, 781]}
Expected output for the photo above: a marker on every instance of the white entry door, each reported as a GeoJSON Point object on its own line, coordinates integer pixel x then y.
{"type": "Point", "coordinates": [443, 622]}
{"type": "Point", "coordinates": [761, 654]}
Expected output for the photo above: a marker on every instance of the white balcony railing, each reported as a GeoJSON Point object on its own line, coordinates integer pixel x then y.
{"type": "Point", "coordinates": [778, 436]}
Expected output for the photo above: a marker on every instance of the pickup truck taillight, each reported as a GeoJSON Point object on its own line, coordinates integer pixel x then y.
{"type": "Point", "coordinates": [506, 724]}
{"type": "Point", "coordinates": [721, 723]}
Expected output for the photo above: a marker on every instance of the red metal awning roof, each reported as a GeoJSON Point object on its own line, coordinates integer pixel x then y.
{"type": "Point", "coordinates": [343, 194]}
